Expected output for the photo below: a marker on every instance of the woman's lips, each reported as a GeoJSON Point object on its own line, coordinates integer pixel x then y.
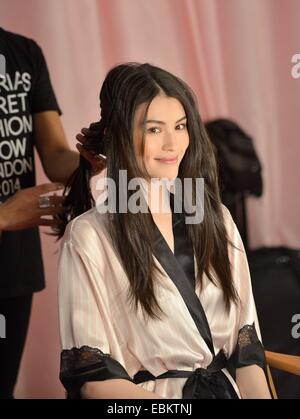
{"type": "Point", "coordinates": [168, 161]}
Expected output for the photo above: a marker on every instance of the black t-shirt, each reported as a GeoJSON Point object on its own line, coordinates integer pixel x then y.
{"type": "Point", "coordinates": [25, 89]}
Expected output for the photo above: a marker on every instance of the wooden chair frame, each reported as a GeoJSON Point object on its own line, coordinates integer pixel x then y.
{"type": "Point", "coordinates": [283, 362]}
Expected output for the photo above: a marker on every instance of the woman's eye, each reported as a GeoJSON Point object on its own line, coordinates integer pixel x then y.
{"type": "Point", "coordinates": [181, 127]}
{"type": "Point", "coordinates": [153, 130]}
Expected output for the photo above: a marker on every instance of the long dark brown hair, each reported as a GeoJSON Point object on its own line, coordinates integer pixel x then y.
{"type": "Point", "coordinates": [125, 87]}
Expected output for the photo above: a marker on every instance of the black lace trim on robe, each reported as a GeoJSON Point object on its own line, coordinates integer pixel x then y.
{"type": "Point", "coordinates": [80, 365]}
{"type": "Point", "coordinates": [249, 351]}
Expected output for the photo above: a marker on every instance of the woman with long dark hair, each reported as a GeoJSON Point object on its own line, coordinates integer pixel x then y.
{"type": "Point", "coordinates": [152, 305]}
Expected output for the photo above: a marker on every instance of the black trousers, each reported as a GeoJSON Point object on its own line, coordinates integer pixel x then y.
{"type": "Point", "coordinates": [17, 314]}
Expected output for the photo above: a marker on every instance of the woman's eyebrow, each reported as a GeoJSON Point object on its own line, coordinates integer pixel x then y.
{"type": "Point", "coordinates": [162, 122]}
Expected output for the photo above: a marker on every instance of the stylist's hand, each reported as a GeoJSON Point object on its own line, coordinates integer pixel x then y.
{"type": "Point", "coordinates": [26, 208]}
{"type": "Point", "coordinates": [97, 162]}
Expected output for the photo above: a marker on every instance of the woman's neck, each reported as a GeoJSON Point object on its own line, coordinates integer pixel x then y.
{"type": "Point", "coordinates": [158, 197]}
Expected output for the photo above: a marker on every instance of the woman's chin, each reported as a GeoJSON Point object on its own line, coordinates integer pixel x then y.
{"type": "Point", "coordinates": [165, 174]}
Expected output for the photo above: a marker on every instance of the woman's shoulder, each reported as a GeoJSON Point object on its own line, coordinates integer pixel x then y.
{"type": "Point", "coordinates": [226, 213]}
{"type": "Point", "coordinates": [233, 234]}
{"type": "Point", "coordinates": [228, 221]}
{"type": "Point", "coordinates": [85, 227]}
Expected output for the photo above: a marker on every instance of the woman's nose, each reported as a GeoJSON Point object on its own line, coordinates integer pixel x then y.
{"type": "Point", "coordinates": [169, 141]}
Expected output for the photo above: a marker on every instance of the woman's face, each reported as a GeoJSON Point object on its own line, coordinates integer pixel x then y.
{"type": "Point", "coordinates": [166, 137]}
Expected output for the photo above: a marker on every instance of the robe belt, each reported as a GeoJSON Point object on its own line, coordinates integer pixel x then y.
{"type": "Point", "coordinates": [203, 383]}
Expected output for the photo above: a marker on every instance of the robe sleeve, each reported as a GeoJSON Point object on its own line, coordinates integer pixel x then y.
{"type": "Point", "coordinates": [246, 345]}
{"type": "Point", "coordinates": [85, 326]}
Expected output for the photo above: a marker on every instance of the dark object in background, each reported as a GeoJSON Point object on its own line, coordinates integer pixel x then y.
{"type": "Point", "coordinates": [239, 169]}
{"type": "Point", "coordinates": [275, 271]}
{"type": "Point", "coordinates": [275, 274]}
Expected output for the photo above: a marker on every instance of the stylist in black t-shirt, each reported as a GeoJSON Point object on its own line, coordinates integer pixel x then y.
{"type": "Point", "coordinates": [29, 117]}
